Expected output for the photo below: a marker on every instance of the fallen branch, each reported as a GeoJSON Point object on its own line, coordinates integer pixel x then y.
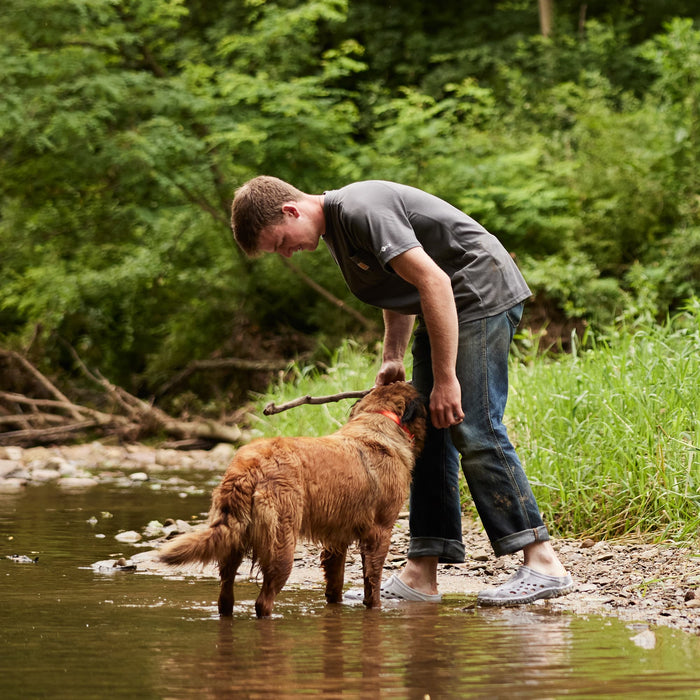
{"type": "Point", "coordinates": [39, 377]}
{"type": "Point", "coordinates": [145, 412]}
{"type": "Point", "coordinates": [272, 408]}
{"type": "Point", "coordinates": [38, 420]}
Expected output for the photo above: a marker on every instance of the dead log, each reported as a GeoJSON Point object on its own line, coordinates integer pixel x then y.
{"type": "Point", "coordinates": [43, 381]}
{"type": "Point", "coordinates": [144, 412]}
{"type": "Point", "coordinates": [58, 418]}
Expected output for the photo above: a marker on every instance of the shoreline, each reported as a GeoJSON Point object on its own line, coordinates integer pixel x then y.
{"type": "Point", "coordinates": [652, 584]}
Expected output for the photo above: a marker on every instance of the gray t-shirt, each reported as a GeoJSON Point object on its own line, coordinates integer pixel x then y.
{"type": "Point", "coordinates": [370, 223]}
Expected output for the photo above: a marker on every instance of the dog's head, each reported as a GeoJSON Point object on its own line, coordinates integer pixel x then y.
{"type": "Point", "coordinates": [401, 399]}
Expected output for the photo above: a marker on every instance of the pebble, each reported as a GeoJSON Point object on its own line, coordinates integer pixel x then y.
{"type": "Point", "coordinates": [81, 467]}
{"type": "Point", "coordinates": [12, 485]}
{"type": "Point", "coordinates": [110, 566]}
{"type": "Point", "coordinates": [43, 475]}
{"type": "Point", "coordinates": [7, 466]}
{"type": "Point", "coordinates": [128, 536]}
{"type": "Point", "coordinates": [77, 483]}
{"type": "Point", "coordinates": [645, 639]}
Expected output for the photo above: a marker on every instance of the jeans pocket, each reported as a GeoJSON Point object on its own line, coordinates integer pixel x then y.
{"type": "Point", "coordinates": [515, 315]}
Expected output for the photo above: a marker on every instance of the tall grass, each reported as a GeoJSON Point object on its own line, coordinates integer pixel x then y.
{"type": "Point", "coordinates": [609, 435]}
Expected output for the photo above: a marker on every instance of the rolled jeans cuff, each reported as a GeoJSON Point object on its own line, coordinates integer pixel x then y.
{"type": "Point", "coordinates": [447, 551]}
{"type": "Point", "coordinates": [518, 540]}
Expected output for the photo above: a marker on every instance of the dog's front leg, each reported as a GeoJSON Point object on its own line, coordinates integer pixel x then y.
{"type": "Point", "coordinates": [333, 565]}
{"type": "Point", "coordinates": [374, 550]}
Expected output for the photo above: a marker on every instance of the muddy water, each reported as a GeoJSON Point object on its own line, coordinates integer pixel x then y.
{"type": "Point", "coordinates": [67, 631]}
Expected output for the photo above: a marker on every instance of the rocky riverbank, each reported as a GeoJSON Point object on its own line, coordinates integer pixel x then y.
{"type": "Point", "coordinates": [656, 584]}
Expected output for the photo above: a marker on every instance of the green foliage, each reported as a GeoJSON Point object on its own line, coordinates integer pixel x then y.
{"type": "Point", "coordinates": [123, 129]}
{"type": "Point", "coordinates": [125, 125]}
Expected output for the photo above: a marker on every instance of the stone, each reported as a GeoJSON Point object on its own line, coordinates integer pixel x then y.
{"type": "Point", "coordinates": [645, 639]}
{"type": "Point", "coordinates": [12, 453]}
{"type": "Point", "coordinates": [7, 466]}
{"type": "Point", "coordinates": [77, 483]}
{"type": "Point", "coordinates": [138, 476]}
{"type": "Point", "coordinates": [128, 536]}
{"type": "Point", "coordinates": [12, 485]}
{"type": "Point", "coordinates": [43, 475]}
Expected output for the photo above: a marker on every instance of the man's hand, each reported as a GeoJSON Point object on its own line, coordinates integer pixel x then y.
{"type": "Point", "coordinates": [446, 404]}
{"type": "Point", "coordinates": [390, 371]}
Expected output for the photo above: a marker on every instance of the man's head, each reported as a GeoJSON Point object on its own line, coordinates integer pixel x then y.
{"type": "Point", "coordinates": [258, 205]}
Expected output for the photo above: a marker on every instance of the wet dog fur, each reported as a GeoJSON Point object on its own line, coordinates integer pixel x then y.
{"type": "Point", "coordinates": [334, 490]}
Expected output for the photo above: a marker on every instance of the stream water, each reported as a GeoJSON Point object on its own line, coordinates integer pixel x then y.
{"type": "Point", "coordinates": [67, 631]}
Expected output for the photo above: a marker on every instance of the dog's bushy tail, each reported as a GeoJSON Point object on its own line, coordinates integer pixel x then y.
{"type": "Point", "coordinates": [213, 544]}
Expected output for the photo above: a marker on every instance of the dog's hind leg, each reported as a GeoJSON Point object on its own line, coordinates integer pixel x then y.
{"type": "Point", "coordinates": [227, 571]}
{"type": "Point", "coordinates": [275, 570]}
{"type": "Point", "coordinates": [374, 549]}
{"type": "Point", "coordinates": [333, 565]}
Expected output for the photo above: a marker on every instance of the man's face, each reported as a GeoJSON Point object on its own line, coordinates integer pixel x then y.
{"type": "Point", "coordinates": [294, 233]}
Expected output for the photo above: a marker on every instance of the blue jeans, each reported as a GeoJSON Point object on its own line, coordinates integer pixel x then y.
{"type": "Point", "coordinates": [494, 474]}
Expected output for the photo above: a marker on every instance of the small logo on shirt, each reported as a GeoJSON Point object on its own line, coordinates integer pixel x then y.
{"type": "Point", "coordinates": [384, 248]}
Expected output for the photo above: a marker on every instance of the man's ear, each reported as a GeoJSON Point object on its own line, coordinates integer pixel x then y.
{"type": "Point", "coordinates": [291, 209]}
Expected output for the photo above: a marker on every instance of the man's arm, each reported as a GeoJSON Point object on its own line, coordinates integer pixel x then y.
{"type": "Point", "coordinates": [440, 314]}
{"type": "Point", "coordinates": [397, 331]}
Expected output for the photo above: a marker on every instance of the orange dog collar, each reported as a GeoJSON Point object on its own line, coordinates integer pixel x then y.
{"type": "Point", "coordinates": [398, 422]}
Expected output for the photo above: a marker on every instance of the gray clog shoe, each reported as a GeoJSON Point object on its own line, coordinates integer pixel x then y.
{"type": "Point", "coordinates": [526, 586]}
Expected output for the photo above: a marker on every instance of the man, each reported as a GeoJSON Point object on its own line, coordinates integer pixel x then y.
{"type": "Point", "coordinates": [414, 255]}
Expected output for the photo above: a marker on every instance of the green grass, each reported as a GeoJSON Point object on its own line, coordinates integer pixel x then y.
{"type": "Point", "coordinates": [609, 434]}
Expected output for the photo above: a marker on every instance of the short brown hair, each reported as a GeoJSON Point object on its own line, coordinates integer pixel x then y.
{"type": "Point", "coordinates": [256, 205]}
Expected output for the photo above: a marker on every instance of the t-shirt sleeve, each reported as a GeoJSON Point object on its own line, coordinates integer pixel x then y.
{"type": "Point", "coordinates": [383, 219]}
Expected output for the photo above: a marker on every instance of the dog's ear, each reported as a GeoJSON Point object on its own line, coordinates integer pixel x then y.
{"type": "Point", "coordinates": [353, 409]}
{"type": "Point", "coordinates": [415, 408]}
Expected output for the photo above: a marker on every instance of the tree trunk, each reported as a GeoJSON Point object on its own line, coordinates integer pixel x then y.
{"type": "Point", "coordinates": [546, 8]}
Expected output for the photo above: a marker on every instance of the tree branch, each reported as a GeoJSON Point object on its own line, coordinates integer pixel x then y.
{"type": "Point", "coordinates": [271, 408]}
{"type": "Point", "coordinates": [330, 297]}
{"type": "Point", "coordinates": [140, 415]}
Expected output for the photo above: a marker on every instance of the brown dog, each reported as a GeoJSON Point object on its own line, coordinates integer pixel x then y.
{"type": "Point", "coordinates": [334, 490]}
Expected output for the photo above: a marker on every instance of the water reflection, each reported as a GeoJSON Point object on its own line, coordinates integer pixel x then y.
{"type": "Point", "coordinates": [69, 632]}
{"type": "Point", "coordinates": [414, 651]}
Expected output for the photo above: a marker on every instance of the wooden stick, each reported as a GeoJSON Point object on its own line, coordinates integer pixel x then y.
{"type": "Point", "coordinates": [272, 408]}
